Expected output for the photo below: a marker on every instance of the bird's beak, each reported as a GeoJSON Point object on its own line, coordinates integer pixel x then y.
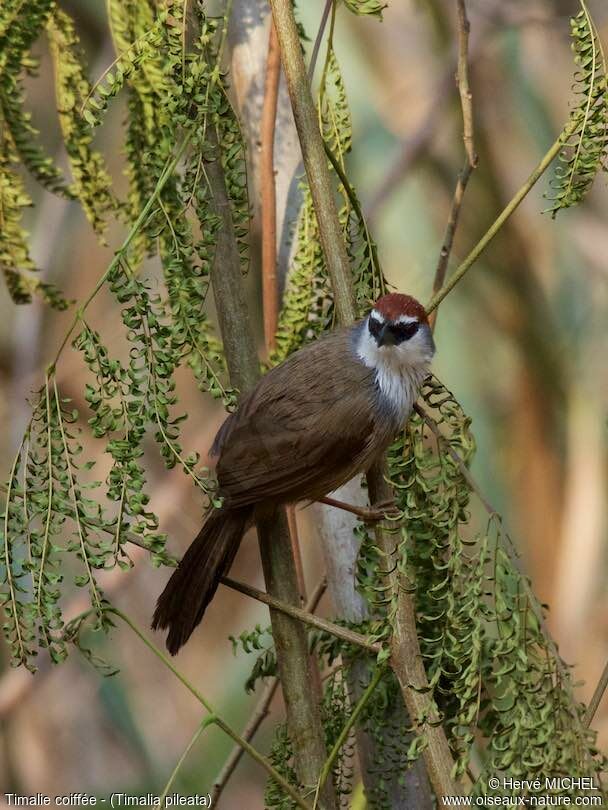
{"type": "Point", "coordinates": [385, 337]}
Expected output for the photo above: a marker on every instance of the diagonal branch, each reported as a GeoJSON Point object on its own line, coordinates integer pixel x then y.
{"type": "Point", "coordinates": [598, 694]}
{"type": "Point", "coordinates": [348, 726]}
{"type": "Point", "coordinates": [318, 39]}
{"type": "Point", "coordinates": [350, 636]}
{"type": "Point", "coordinates": [214, 718]}
{"type": "Point", "coordinates": [470, 161]}
{"type": "Point", "coordinates": [502, 218]}
{"type": "Point", "coordinates": [313, 153]}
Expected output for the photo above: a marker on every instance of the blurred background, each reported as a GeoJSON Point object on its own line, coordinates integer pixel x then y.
{"type": "Point", "coordinates": [521, 343]}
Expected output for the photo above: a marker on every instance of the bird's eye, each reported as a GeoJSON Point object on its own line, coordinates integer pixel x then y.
{"type": "Point", "coordinates": [405, 331]}
{"type": "Point", "coordinates": [374, 326]}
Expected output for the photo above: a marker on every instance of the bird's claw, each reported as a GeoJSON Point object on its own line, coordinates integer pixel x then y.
{"type": "Point", "coordinates": [383, 510]}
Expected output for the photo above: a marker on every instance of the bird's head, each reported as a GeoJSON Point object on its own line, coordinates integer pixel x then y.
{"type": "Point", "coordinates": [396, 333]}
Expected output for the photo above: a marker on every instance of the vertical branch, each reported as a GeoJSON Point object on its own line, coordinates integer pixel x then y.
{"type": "Point", "coordinates": [466, 98]}
{"type": "Point", "coordinates": [317, 44]}
{"type": "Point", "coordinates": [299, 680]}
{"type": "Point", "coordinates": [294, 534]}
{"type": "Point", "coordinates": [406, 658]}
{"type": "Point", "coordinates": [302, 697]}
{"type": "Point", "coordinates": [340, 550]}
{"type": "Point", "coordinates": [270, 289]}
{"type": "Point", "coordinates": [470, 161]}
{"type": "Point", "coordinates": [315, 160]}
{"type": "Point", "coordinates": [405, 653]}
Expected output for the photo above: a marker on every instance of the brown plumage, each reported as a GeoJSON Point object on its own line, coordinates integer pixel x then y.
{"type": "Point", "coordinates": [308, 426]}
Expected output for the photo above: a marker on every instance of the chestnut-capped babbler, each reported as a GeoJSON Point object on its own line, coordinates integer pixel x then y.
{"type": "Point", "coordinates": [309, 425]}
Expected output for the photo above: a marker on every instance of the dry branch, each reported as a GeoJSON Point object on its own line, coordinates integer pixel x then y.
{"type": "Point", "coordinates": [350, 636]}
{"type": "Point", "coordinates": [502, 218]}
{"type": "Point", "coordinates": [470, 161]}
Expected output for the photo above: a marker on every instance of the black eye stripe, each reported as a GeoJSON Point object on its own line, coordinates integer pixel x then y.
{"type": "Point", "coordinates": [374, 326]}
{"type": "Point", "coordinates": [404, 331]}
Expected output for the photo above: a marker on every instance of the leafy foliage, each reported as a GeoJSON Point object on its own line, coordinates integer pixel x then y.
{"type": "Point", "coordinates": [585, 147]}
{"type": "Point", "coordinates": [495, 677]}
{"type": "Point", "coordinates": [91, 181]}
{"type": "Point", "coordinates": [52, 524]}
{"type": "Point", "coordinates": [258, 641]}
{"type": "Point", "coordinates": [496, 680]}
{"type": "Point", "coordinates": [15, 261]}
{"type": "Point", "coordinates": [365, 7]}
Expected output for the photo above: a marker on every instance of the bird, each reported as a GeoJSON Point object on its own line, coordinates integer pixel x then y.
{"type": "Point", "coordinates": [309, 425]}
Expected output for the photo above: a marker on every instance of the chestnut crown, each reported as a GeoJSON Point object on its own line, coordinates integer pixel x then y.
{"type": "Point", "coordinates": [396, 318]}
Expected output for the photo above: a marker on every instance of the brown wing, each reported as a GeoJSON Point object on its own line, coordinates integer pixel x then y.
{"type": "Point", "coordinates": [301, 432]}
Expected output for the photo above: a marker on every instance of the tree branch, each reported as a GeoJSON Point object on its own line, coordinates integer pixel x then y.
{"type": "Point", "coordinates": [259, 714]}
{"type": "Point", "coordinates": [598, 694]}
{"type": "Point", "coordinates": [214, 717]}
{"type": "Point", "coordinates": [300, 687]}
{"type": "Point", "coordinates": [498, 223]}
{"type": "Point", "coordinates": [270, 290]}
{"type": "Point", "coordinates": [315, 162]}
{"type": "Point", "coordinates": [326, 626]}
{"type": "Point", "coordinates": [317, 45]}
{"type": "Point", "coordinates": [470, 161]}
{"type": "Point", "coordinates": [405, 657]}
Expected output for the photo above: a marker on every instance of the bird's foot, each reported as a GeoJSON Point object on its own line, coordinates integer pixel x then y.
{"type": "Point", "coordinates": [383, 510]}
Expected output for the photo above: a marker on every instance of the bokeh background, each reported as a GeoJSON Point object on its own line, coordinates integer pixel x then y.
{"type": "Point", "coordinates": [522, 342]}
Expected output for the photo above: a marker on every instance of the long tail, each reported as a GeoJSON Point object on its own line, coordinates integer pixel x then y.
{"type": "Point", "coordinates": [181, 605]}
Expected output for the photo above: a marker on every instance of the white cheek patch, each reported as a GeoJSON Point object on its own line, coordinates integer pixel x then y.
{"type": "Point", "coordinates": [399, 369]}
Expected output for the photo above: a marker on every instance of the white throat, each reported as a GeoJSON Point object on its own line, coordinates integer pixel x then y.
{"type": "Point", "coordinates": [399, 370]}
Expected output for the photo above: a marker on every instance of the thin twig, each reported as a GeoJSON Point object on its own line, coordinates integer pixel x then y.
{"type": "Point", "coordinates": [470, 161]}
{"type": "Point", "coordinates": [216, 718]}
{"type": "Point", "coordinates": [598, 694]}
{"type": "Point", "coordinates": [466, 99]}
{"type": "Point", "coordinates": [318, 39]}
{"type": "Point", "coordinates": [462, 467]}
{"type": "Point", "coordinates": [304, 616]}
{"type": "Point", "coordinates": [207, 721]}
{"type": "Point", "coordinates": [354, 201]}
{"type": "Point", "coordinates": [270, 290]}
{"type": "Point", "coordinates": [259, 714]}
{"type": "Point", "coordinates": [356, 713]}
{"type": "Point", "coordinates": [166, 173]}
{"type": "Point", "coordinates": [502, 218]}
